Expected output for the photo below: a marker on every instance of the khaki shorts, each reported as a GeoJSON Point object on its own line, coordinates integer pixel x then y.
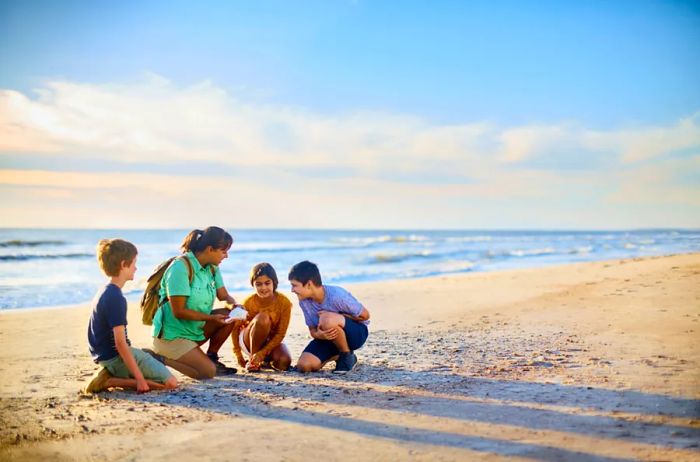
{"type": "Point", "coordinates": [173, 349]}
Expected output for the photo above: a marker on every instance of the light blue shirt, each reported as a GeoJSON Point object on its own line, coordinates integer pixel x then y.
{"type": "Point", "coordinates": [337, 300]}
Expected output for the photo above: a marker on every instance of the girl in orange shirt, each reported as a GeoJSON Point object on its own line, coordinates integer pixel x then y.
{"type": "Point", "coordinates": [259, 337]}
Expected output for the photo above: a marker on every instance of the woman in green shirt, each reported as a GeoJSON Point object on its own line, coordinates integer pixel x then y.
{"type": "Point", "coordinates": [186, 320]}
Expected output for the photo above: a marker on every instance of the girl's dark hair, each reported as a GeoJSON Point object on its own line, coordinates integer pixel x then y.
{"type": "Point", "coordinates": [264, 269]}
{"type": "Point", "coordinates": [198, 240]}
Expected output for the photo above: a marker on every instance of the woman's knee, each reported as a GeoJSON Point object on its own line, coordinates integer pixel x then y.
{"type": "Point", "coordinates": [226, 330]}
{"type": "Point", "coordinates": [205, 368]}
{"type": "Point", "coordinates": [207, 372]}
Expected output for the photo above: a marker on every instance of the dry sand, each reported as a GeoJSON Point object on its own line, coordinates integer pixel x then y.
{"type": "Point", "coordinates": [596, 361]}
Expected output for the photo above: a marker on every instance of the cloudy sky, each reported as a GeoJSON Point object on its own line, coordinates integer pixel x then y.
{"type": "Point", "coordinates": [350, 114]}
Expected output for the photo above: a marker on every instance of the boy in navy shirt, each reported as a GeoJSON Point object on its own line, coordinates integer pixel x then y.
{"type": "Point", "coordinates": [122, 365]}
{"type": "Point", "coordinates": [336, 321]}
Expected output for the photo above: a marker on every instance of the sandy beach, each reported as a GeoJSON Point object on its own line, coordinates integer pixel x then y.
{"type": "Point", "coordinates": [593, 361]}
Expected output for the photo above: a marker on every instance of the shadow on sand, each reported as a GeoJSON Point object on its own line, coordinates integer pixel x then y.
{"type": "Point", "coordinates": [586, 411]}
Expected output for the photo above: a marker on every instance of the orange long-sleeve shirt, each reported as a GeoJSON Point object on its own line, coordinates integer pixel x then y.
{"type": "Point", "coordinates": [279, 310]}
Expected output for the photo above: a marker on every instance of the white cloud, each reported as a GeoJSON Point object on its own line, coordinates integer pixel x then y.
{"type": "Point", "coordinates": [401, 169]}
{"type": "Point", "coordinates": [658, 184]}
{"type": "Point", "coordinates": [157, 121]}
{"type": "Point", "coordinates": [625, 145]}
{"type": "Point", "coordinates": [644, 143]}
{"type": "Point", "coordinates": [521, 143]}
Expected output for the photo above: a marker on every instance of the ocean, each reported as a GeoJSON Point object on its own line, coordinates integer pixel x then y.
{"type": "Point", "coordinates": [48, 268]}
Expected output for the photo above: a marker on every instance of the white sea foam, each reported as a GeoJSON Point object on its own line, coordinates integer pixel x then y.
{"type": "Point", "coordinates": [469, 239]}
{"type": "Point", "coordinates": [532, 252]}
{"type": "Point", "coordinates": [372, 240]}
{"type": "Point", "coordinates": [342, 256]}
{"type": "Point", "coordinates": [397, 257]}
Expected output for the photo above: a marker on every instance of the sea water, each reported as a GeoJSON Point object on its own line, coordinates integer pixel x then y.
{"type": "Point", "coordinates": [58, 267]}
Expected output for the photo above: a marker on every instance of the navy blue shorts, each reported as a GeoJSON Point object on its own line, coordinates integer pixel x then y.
{"type": "Point", "coordinates": [355, 332]}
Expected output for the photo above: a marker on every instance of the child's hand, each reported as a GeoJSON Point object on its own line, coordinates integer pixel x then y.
{"type": "Point", "coordinates": [142, 386]}
{"type": "Point", "coordinates": [242, 362]}
{"type": "Point", "coordinates": [256, 359]}
{"type": "Point", "coordinates": [253, 365]}
{"type": "Point", "coordinates": [333, 333]}
{"type": "Point", "coordinates": [329, 334]}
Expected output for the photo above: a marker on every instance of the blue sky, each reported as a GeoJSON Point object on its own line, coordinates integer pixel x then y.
{"type": "Point", "coordinates": [397, 114]}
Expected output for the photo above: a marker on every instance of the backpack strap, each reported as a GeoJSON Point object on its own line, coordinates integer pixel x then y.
{"type": "Point", "coordinates": [188, 264]}
{"type": "Point", "coordinates": [190, 276]}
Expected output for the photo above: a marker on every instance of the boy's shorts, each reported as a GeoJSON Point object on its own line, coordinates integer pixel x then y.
{"type": "Point", "coordinates": [356, 334]}
{"type": "Point", "coordinates": [151, 368]}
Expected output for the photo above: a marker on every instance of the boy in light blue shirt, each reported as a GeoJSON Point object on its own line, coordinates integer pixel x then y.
{"type": "Point", "coordinates": [336, 321]}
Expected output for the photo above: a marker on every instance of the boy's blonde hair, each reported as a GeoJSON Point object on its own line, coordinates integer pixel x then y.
{"type": "Point", "coordinates": [112, 252]}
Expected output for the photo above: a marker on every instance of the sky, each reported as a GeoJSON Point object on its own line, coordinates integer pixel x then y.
{"type": "Point", "coordinates": [350, 114]}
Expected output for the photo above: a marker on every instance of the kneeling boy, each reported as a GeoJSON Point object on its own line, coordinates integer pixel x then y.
{"type": "Point", "coordinates": [122, 365]}
{"type": "Point", "coordinates": [336, 320]}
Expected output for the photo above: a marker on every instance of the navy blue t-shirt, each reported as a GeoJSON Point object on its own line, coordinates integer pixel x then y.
{"type": "Point", "coordinates": [108, 312]}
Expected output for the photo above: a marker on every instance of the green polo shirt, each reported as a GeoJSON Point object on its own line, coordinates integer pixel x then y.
{"type": "Point", "coordinates": [200, 297]}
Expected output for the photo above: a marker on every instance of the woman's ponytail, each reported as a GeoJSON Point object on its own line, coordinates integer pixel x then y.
{"type": "Point", "coordinates": [190, 240]}
{"type": "Point", "coordinates": [198, 240]}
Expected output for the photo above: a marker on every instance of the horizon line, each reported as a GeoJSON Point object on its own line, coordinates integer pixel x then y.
{"type": "Point", "coordinates": [496, 229]}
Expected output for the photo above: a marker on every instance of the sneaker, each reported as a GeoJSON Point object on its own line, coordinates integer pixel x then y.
{"type": "Point", "coordinates": [345, 363]}
{"type": "Point", "coordinates": [98, 381]}
{"type": "Point", "coordinates": [221, 368]}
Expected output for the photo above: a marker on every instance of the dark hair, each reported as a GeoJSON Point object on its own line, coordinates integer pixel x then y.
{"type": "Point", "coordinates": [112, 252]}
{"type": "Point", "coordinates": [304, 272]}
{"type": "Point", "coordinates": [264, 269]}
{"type": "Point", "coordinates": [198, 240]}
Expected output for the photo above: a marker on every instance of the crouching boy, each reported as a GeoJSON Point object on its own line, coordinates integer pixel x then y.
{"type": "Point", "coordinates": [336, 320]}
{"type": "Point", "coordinates": [122, 365]}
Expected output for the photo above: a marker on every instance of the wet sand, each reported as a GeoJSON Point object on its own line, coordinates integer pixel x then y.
{"type": "Point", "coordinates": [595, 361]}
